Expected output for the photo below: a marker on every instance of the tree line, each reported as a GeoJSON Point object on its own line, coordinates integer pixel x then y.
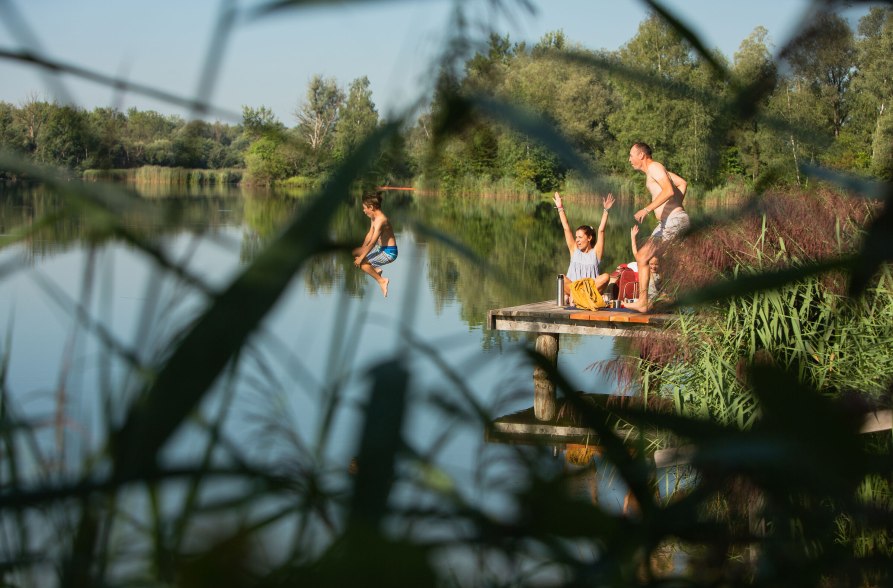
{"type": "Point", "coordinates": [822, 101]}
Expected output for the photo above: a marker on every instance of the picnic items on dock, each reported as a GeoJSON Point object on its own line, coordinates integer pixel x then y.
{"type": "Point", "coordinates": [585, 295]}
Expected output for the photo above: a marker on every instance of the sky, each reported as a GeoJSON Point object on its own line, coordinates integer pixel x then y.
{"type": "Point", "coordinates": [268, 60]}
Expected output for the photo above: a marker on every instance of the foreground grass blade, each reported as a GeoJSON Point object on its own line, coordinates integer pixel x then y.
{"type": "Point", "coordinates": [379, 444]}
{"type": "Point", "coordinates": [225, 326]}
{"type": "Point", "coordinates": [877, 248]}
{"type": "Point", "coordinates": [744, 285]}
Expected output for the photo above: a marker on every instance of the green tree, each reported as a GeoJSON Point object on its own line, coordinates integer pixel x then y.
{"type": "Point", "coordinates": [8, 131]}
{"type": "Point", "coordinates": [418, 142]}
{"type": "Point", "coordinates": [144, 129]}
{"type": "Point", "coordinates": [482, 150]}
{"type": "Point", "coordinates": [266, 161]}
{"type": "Point", "coordinates": [10, 137]}
{"type": "Point", "coordinates": [872, 93]}
{"type": "Point", "coordinates": [576, 98]}
{"type": "Point", "coordinates": [318, 114]}
{"type": "Point", "coordinates": [109, 126]}
{"type": "Point", "coordinates": [753, 67]}
{"type": "Point", "coordinates": [824, 57]}
{"type": "Point", "coordinates": [673, 123]}
{"type": "Point", "coordinates": [192, 145]}
{"type": "Point", "coordinates": [160, 152]}
{"type": "Point", "coordinates": [486, 72]}
{"type": "Point", "coordinates": [257, 122]}
{"type": "Point", "coordinates": [694, 151]}
{"type": "Point", "coordinates": [31, 116]}
{"type": "Point", "coordinates": [66, 138]}
{"type": "Point", "coordinates": [802, 138]}
{"type": "Point", "coordinates": [531, 163]}
{"type": "Point", "coordinates": [356, 119]}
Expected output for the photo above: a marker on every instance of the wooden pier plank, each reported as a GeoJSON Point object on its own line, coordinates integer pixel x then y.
{"type": "Point", "coordinates": [549, 320]}
{"type": "Point", "coordinates": [548, 317]}
{"type": "Point", "coordinates": [872, 422]}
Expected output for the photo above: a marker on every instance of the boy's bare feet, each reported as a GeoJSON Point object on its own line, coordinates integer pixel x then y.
{"type": "Point", "coordinates": [383, 284]}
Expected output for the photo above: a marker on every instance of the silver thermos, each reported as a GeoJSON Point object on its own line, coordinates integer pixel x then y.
{"type": "Point", "coordinates": [560, 289]}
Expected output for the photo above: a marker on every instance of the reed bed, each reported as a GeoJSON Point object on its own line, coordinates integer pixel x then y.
{"type": "Point", "coordinates": [812, 329]}
{"type": "Point", "coordinates": [167, 176]}
{"type": "Point", "coordinates": [473, 186]}
{"type": "Point", "coordinates": [833, 342]}
{"type": "Point", "coordinates": [813, 494]}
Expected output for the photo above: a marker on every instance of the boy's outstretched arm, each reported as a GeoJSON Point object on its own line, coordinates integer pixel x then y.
{"type": "Point", "coordinates": [368, 243]}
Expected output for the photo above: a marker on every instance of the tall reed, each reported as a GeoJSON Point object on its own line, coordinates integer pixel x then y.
{"type": "Point", "coordinates": [169, 176]}
{"type": "Point", "coordinates": [833, 342]}
{"type": "Point", "coordinates": [125, 513]}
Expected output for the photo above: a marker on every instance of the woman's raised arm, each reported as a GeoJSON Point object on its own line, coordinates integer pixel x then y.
{"type": "Point", "coordinates": [568, 234]}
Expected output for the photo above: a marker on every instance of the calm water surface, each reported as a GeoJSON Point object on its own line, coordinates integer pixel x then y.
{"type": "Point", "coordinates": [320, 341]}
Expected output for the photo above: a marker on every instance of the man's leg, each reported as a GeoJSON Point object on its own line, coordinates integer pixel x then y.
{"type": "Point", "coordinates": [644, 255]}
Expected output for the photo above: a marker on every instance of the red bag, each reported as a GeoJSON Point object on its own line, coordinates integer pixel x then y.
{"type": "Point", "coordinates": [627, 283]}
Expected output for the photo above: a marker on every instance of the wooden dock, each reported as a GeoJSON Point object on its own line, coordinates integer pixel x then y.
{"type": "Point", "coordinates": [550, 321]}
{"type": "Point", "coordinates": [548, 317]}
{"type": "Point", "coordinates": [541, 424]}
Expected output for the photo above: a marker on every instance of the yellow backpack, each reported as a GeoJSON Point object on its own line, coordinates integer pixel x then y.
{"type": "Point", "coordinates": [585, 295]}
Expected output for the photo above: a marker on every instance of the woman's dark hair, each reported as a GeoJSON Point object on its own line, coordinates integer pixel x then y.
{"type": "Point", "coordinates": [590, 232]}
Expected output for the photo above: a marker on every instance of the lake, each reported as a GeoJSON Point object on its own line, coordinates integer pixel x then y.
{"type": "Point", "coordinates": [85, 316]}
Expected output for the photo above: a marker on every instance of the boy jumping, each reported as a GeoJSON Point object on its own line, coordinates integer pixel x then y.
{"type": "Point", "coordinates": [380, 245]}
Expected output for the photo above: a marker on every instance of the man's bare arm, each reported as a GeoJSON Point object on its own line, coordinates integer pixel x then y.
{"type": "Point", "coordinates": [679, 182]}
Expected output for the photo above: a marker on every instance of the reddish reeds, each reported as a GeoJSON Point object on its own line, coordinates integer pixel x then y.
{"type": "Point", "coordinates": [784, 228]}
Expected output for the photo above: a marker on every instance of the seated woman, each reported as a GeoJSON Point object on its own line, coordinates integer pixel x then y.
{"type": "Point", "coordinates": [585, 247]}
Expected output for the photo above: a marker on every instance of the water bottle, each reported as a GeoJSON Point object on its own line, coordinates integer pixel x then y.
{"type": "Point", "coordinates": [560, 290]}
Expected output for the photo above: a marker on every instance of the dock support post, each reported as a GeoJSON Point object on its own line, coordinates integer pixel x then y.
{"type": "Point", "coordinates": [544, 400]}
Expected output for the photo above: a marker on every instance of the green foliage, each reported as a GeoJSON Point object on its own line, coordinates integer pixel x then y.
{"type": "Point", "coordinates": [662, 87]}
{"type": "Point", "coordinates": [823, 56]}
{"type": "Point", "coordinates": [266, 161]}
{"type": "Point", "coordinates": [257, 122]}
{"type": "Point", "coordinates": [65, 138]}
{"type": "Point", "coordinates": [318, 114]}
{"type": "Point", "coordinates": [828, 342]}
{"type": "Point", "coordinates": [872, 88]}
{"type": "Point", "coordinates": [357, 118]}
{"type": "Point", "coordinates": [680, 125]}
{"type": "Point", "coordinates": [882, 147]}
{"type": "Point", "coordinates": [166, 176]}
{"type": "Point", "coordinates": [821, 491]}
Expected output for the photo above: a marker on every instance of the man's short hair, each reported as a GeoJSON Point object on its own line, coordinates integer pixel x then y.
{"type": "Point", "coordinates": [373, 199]}
{"type": "Point", "coordinates": [644, 148]}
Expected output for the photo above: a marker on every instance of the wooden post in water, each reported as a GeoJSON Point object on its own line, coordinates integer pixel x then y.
{"type": "Point", "coordinates": [544, 401]}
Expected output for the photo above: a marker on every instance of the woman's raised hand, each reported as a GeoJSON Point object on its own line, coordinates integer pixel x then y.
{"type": "Point", "coordinates": [557, 199]}
{"type": "Point", "coordinates": [608, 201]}
{"type": "Point", "coordinates": [634, 231]}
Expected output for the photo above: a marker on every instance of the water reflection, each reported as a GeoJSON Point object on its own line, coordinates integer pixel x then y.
{"type": "Point", "coordinates": [520, 240]}
{"type": "Point", "coordinates": [298, 386]}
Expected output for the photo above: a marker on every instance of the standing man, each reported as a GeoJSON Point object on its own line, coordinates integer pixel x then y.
{"type": "Point", "coordinates": [667, 192]}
